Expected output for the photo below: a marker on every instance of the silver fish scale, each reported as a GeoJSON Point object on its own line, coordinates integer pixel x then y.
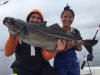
{"type": "Point", "coordinates": [58, 33]}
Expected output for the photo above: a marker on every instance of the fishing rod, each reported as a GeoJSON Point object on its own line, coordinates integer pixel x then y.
{"type": "Point", "coordinates": [96, 32]}
{"type": "Point", "coordinates": [89, 57]}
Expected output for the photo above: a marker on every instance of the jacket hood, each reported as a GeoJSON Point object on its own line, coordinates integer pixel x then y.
{"type": "Point", "coordinates": [35, 11]}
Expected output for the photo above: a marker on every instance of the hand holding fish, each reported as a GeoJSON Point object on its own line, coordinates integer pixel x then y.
{"type": "Point", "coordinates": [60, 46]}
{"type": "Point", "coordinates": [12, 34]}
{"type": "Point", "coordinates": [69, 45]}
{"type": "Point", "coordinates": [79, 45]}
{"type": "Point", "coordinates": [63, 47]}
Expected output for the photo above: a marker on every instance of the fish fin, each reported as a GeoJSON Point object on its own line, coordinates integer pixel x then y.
{"type": "Point", "coordinates": [88, 44]}
{"type": "Point", "coordinates": [56, 26]}
{"type": "Point", "coordinates": [43, 23]}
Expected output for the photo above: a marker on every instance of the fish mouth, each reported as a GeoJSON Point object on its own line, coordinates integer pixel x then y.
{"type": "Point", "coordinates": [12, 25]}
{"type": "Point", "coordinates": [5, 20]}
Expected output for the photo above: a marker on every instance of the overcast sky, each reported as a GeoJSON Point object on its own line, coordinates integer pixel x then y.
{"type": "Point", "coordinates": [87, 14]}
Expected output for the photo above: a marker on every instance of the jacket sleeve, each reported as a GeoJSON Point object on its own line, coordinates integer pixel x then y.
{"type": "Point", "coordinates": [46, 55]}
{"type": "Point", "coordinates": [10, 46]}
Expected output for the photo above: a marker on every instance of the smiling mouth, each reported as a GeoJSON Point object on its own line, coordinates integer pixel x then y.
{"type": "Point", "coordinates": [67, 23]}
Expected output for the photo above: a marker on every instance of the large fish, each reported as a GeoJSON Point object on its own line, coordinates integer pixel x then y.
{"type": "Point", "coordinates": [43, 36]}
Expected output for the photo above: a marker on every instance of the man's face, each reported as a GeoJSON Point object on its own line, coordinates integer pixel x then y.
{"type": "Point", "coordinates": [35, 18]}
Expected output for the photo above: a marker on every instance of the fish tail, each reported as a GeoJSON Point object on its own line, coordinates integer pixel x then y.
{"type": "Point", "coordinates": [88, 44]}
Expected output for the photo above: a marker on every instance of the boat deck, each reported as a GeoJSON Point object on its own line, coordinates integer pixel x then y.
{"type": "Point", "coordinates": [94, 71]}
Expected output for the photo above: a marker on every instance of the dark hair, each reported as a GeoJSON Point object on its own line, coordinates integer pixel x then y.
{"type": "Point", "coordinates": [32, 14]}
{"type": "Point", "coordinates": [67, 8]}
